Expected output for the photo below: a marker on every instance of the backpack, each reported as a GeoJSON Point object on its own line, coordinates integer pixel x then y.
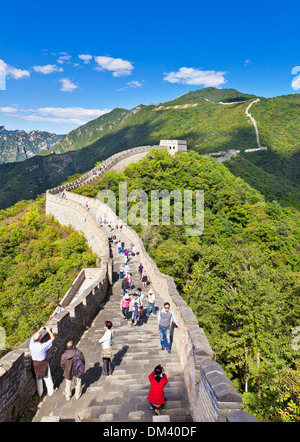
{"type": "Point", "coordinates": [78, 365]}
{"type": "Point", "coordinates": [125, 302]}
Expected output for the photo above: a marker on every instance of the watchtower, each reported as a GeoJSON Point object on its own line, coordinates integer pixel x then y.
{"type": "Point", "coordinates": [174, 146]}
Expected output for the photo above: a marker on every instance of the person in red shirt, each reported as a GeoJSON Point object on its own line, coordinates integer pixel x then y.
{"type": "Point", "coordinates": [158, 379]}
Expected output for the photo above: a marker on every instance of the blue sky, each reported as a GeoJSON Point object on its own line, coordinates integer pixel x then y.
{"type": "Point", "coordinates": [64, 63]}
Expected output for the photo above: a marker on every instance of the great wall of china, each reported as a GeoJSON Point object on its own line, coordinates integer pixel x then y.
{"type": "Point", "coordinates": [210, 394]}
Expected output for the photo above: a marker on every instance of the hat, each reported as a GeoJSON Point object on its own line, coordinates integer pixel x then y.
{"type": "Point", "coordinates": [151, 291]}
{"type": "Point", "coordinates": [127, 296]}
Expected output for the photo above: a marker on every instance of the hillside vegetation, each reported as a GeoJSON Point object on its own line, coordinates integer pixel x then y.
{"type": "Point", "coordinates": [39, 259]}
{"type": "Point", "coordinates": [240, 277]}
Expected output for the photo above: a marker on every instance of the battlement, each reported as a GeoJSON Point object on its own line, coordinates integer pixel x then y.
{"type": "Point", "coordinates": [174, 146]}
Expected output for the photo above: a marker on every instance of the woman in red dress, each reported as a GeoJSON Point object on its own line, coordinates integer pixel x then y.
{"type": "Point", "coordinates": [158, 379]}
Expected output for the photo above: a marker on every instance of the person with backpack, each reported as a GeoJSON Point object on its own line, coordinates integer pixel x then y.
{"type": "Point", "coordinates": [144, 278]}
{"type": "Point", "coordinates": [106, 342]}
{"type": "Point", "coordinates": [125, 303]}
{"type": "Point", "coordinates": [141, 270]}
{"type": "Point", "coordinates": [73, 364]}
{"type": "Point", "coordinates": [136, 310]}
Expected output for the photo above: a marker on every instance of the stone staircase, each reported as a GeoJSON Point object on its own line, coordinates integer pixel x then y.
{"type": "Point", "coordinates": [122, 397]}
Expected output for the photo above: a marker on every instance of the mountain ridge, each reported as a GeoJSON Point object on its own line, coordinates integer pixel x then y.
{"type": "Point", "coordinates": [206, 126]}
{"type": "Point", "coordinates": [19, 145]}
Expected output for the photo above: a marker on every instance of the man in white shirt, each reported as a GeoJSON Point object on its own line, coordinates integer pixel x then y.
{"type": "Point", "coordinates": [165, 316]}
{"type": "Point", "coordinates": [41, 367]}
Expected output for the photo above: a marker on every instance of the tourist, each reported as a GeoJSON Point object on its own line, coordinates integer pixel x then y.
{"type": "Point", "coordinates": [141, 297]}
{"type": "Point", "coordinates": [129, 279]}
{"type": "Point", "coordinates": [144, 278]}
{"type": "Point", "coordinates": [106, 342]}
{"type": "Point", "coordinates": [156, 397]}
{"type": "Point", "coordinates": [122, 245]}
{"type": "Point", "coordinates": [58, 309]}
{"type": "Point", "coordinates": [136, 312]}
{"type": "Point", "coordinates": [134, 250]}
{"type": "Point", "coordinates": [119, 244]}
{"type": "Point", "coordinates": [121, 270]}
{"type": "Point", "coordinates": [165, 316]}
{"type": "Point", "coordinates": [38, 350]}
{"type": "Point", "coordinates": [125, 286]}
{"type": "Point", "coordinates": [151, 303]}
{"type": "Point", "coordinates": [72, 369]}
{"type": "Point", "coordinates": [141, 270]}
{"type": "Point", "coordinates": [125, 303]}
{"type": "Point", "coordinates": [127, 268]}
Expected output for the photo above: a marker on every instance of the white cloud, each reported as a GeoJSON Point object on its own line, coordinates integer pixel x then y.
{"type": "Point", "coordinates": [86, 58]}
{"type": "Point", "coordinates": [59, 115]}
{"type": "Point", "coordinates": [131, 84]}
{"type": "Point", "coordinates": [47, 69]}
{"type": "Point", "coordinates": [117, 66]}
{"type": "Point", "coordinates": [196, 77]}
{"type": "Point", "coordinates": [72, 112]}
{"type": "Point", "coordinates": [67, 85]}
{"type": "Point", "coordinates": [63, 58]}
{"type": "Point", "coordinates": [13, 72]}
{"type": "Point", "coordinates": [134, 84]}
{"type": "Point", "coordinates": [8, 110]}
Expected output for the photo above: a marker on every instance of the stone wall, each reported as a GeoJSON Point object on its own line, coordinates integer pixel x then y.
{"type": "Point", "coordinates": [17, 383]}
{"type": "Point", "coordinates": [127, 156]}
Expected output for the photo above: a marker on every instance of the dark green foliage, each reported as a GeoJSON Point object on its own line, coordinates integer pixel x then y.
{"type": "Point", "coordinates": [39, 260]}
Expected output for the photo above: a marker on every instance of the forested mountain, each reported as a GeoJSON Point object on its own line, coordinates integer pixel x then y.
{"type": "Point", "coordinates": [18, 145]}
{"type": "Point", "coordinates": [210, 120]}
{"type": "Point", "coordinates": [91, 131]}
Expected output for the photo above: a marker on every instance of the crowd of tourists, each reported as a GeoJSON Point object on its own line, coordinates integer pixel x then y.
{"type": "Point", "coordinates": [132, 309]}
